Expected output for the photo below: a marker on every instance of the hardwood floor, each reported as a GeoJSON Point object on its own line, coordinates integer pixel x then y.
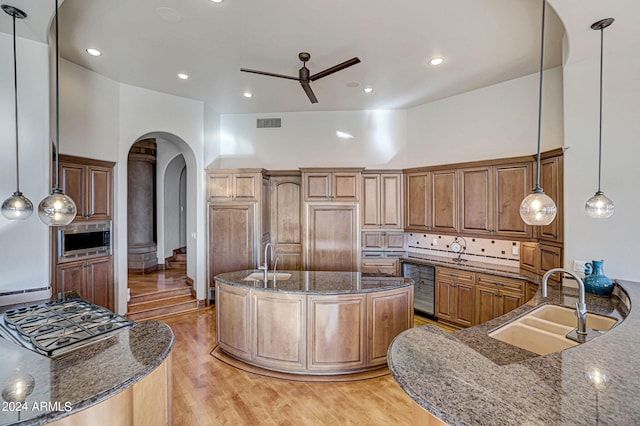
{"type": "Point", "coordinates": [167, 279]}
{"type": "Point", "coordinates": [207, 391]}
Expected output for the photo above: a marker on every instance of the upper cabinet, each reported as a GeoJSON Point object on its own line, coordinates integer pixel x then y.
{"type": "Point", "coordinates": [551, 177]}
{"type": "Point", "coordinates": [233, 185]}
{"type": "Point", "coordinates": [476, 207]}
{"type": "Point", "coordinates": [431, 201]}
{"type": "Point", "coordinates": [381, 205]}
{"type": "Point", "coordinates": [89, 183]}
{"type": "Point", "coordinates": [416, 210]}
{"type": "Point", "coordinates": [331, 184]}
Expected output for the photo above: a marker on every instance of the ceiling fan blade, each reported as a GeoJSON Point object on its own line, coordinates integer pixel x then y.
{"type": "Point", "coordinates": [307, 89]}
{"type": "Point", "coordinates": [335, 68]}
{"type": "Point", "coordinates": [270, 74]}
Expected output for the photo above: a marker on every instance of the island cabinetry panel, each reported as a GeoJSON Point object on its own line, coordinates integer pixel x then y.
{"type": "Point", "coordinates": [336, 332]}
{"type": "Point", "coordinates": [417, 202]}
{"type": "Point", "coordinates": [279, 327]}
{"type": "Point", "coordinates": [233, 320]}
{"type": "Point", "coordinates": [286, 221]}
{"type": "Point", "coordinates": [388, 316]}
{"type": "Point", "coordinates": [89, 183]}
{"type": "Point", "coordinates": [332, 231]}
{"type": "Point", "coordinates": [382, 200]}
{"type": "Point", "coordinates": [495, 296]}
{"type": "Point", "coordinates": [331, 184]}
{"type": "Point", "coordinates": [231, 240]}
{"type": "Point", "coordinates": [92, 279]}
{"type": "Point", "coordinates": [444, 201]}
{"type": "Point", "coordinates": [455, 296]}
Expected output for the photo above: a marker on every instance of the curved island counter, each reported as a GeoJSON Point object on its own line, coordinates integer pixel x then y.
{"type": "Point", "coordinates": [470, 378]}
{"type": "Point", "coordinates": [311, 322]}
{"type": "Point", "coordinates": [124, 380]}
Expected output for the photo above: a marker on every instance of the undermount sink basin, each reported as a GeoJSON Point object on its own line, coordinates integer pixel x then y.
{"type": "Point", "coordinates": [544, 329]}
{"type": "Point", "coordinates": [259, 276]}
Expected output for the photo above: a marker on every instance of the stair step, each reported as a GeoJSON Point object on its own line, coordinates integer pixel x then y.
{"type": "Point", "coordinates": [180, 257]}
{"type": "Point", "coordinates": [160, 308]}
{"type": "Point", "coordinates": [160, 295]}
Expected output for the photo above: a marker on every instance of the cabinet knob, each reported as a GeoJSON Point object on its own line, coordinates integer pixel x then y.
{"type": "Point", "coordinates": [498, 295]}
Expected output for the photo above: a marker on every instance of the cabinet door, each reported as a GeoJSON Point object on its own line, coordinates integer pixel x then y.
{"type": "Point", "coordinates": [233, 321]}
{"type": "Point", "coordinates": [336, 332]}
{"type": "Point", "coordinates": [445, 299]}
{"type": "Point", "coordinates": [370, 201]}
{"type": "Point", "coordinates": [373, 241]}
{"type": "Point", "coordinates": [346, 186]}
{"type": "Point", "coordinates": [219, 186]}
{"type": "Point", "coordinates": [231, 238]}
{"type": "Point", "coordinates": [416, 210]}
{"type": "Point", "coordinates": [551, 170]}
{"type": "Point", "coordinates": [333, 238]}
{"type": "Point", "coordinates": [444, 200]}
{"type": "Point", "coordinates": [317, 186]}
{"type": "Point", "coordinates": [389, 314]}
{"type": "Point", "coordinates": [71, 277]}
{"type": "Point", "coordinates": [487, 304]}
{"type": "Point", "coordinates": [386, 267]}
{"type": "Point", "coordinates": [391, 200]}
{"type": "Point", "coordinates": [99, 275]}
{"type": "Point", "coordinates": [465, 304]}
{"type": "Point", "coordinates": [476, 208]}
{"type": "Point", "coordinates": [529, 256]}
{"type": "Point", "coordinates": [286, 225]}
{"type": "Point", "coordinates": [99, 192]}
{"type": "Point", "coordinates": [530, 291]}
{"type": "Point", "coordinates": [394, 241]}
{"type": "Point", "coordinates": [72, 182]}
{"type": "Point", "coordinates": [550, 257]}
{"type": "Point", "coordinates": [512, 183]}
{"type": "Point", "coordinates": [246, 186]}
{"type": "Point", "coordinates": [509, 301]}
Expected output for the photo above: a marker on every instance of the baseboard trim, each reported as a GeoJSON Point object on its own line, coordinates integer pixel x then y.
{"type": "Point", "coordinates": [191, 284]}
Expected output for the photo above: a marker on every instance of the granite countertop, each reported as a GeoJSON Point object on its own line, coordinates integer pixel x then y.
{"type": "Point", "coordinates": [317, 282]}
{"type": "Point", "coordinates": [469, 378]}
{"type": "Point", "coordinates": [83, 377]}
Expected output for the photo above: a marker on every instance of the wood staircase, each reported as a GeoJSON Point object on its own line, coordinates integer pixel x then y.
{"type": "Point", "coordinates": [175, 299]}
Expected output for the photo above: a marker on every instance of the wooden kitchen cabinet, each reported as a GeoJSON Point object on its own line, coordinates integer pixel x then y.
{"type": "Point", "coordinates": [388, 267]}
{"type": "Point", "coordinates": [332, 237]}
{"type": "Point", "coordinates": [495, 296]}
{"type": "Point", "coordinates": [381, 205]}
{"type": "Point", "coordinates": [233, 320]}
{"type": "Point", "coordinates": [92, 279]}
{"type": "Point", "coordinates": [476, 206]}
{"type": "Point", "coordinates": [331, 184]}
{"type": "Point", "coordinates": [455, 296]}
{"type": "Point", "coordinates": [444, 201]}
{"type": "Point", "coordinates": [388, 316]}
{"type": "Point", "coordinates": [232, 243]}
{"type": "Point", "coordinates": [417, 201]}
{"type": "Point", "coordinates": [286, 220]}
{"type": "Point", "coordinates": [89, 183]}
{"type": "Point", "coordinates": [530, 256]}
{"type": "Point", "coordinates": [550, 257]}
{"type": "Point", "coordinates": [551, 180]}
{"type": "Point", "coordinates": [233, 185]}
{"type": "Point", "coordinates": [512, 183]}
{"type": "Point", "coordinates": [382, 241]}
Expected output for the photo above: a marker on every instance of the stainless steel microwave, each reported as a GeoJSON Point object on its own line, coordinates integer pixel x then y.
{"type": "Point", "coordinates": [84, 240]}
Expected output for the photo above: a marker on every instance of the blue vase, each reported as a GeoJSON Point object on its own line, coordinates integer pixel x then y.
{"type": "Point", "coordinates": [595, 281]}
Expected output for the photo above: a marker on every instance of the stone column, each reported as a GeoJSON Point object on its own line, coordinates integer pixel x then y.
{"type": "Point", "coordinates": [142, 252]}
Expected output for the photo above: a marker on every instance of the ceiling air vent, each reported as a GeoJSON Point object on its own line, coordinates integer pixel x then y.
{"type": "Point", "coordinates": [268, 123]}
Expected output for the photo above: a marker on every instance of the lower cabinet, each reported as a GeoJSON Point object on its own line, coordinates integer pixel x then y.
{"type": "Point", "coordinates": [388, 316]}
{"type": "Point", "coordinates": [495, 296]}
{"type": "Point", "coordinates": [388, 267]}
{"type": "Point", "coordinates": [92, 279]}
{"type": "Point", "coordinates": [455, 297]}
{"type": "Point", "coordinates": [233, 319]}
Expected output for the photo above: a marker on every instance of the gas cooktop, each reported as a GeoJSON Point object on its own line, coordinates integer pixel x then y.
{"type": "Point", "coordinates": [56, 328]}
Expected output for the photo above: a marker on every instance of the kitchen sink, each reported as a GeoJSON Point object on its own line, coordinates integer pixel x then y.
{"type": "Point", "coordinates": [259, 276]}
{"type": "Point", "coordinates": [544, 329]}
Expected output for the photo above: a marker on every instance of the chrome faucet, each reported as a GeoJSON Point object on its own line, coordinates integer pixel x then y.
{"type": "Point", "coordinates": [581, 305]}
{"type": "Point", "coordinates": [266, 261]}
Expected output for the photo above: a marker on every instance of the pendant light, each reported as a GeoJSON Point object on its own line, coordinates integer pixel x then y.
{"type": "Point", "coordinates": [57, 209]}
{"type": "Point", "coordinates": [599, 206]}
{"type": "Point", "coordinates": [538, 208]}
{"type": "Point", "coordinates": [16, 207]}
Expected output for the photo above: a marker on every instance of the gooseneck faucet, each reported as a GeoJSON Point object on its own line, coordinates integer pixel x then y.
{"type": "Point", "coordinates": [581, 305]}
{"type": "Point", "coordinates": [266, 261]}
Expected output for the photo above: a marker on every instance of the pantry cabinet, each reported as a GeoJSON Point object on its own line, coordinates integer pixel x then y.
{"type": "Point", "coordinates": [286, 220]}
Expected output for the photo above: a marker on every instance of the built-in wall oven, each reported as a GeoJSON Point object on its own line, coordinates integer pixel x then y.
{"type": "Point", "coordinates": [84, 240]}
{"type": "Point", "coordinates": [424, 291]}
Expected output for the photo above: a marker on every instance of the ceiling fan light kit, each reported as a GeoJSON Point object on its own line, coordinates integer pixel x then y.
{"type": "Point", "coordinates": [304, 75]}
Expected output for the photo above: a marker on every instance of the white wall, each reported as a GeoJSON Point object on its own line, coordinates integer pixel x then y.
{"type": "Point", "coordinates": [166, 152]}
{"type": "Point", "coordinates": [172, 205]}
{"type": "Point", "coordinates": [308, 139]}
{"type": "Point", "coordinates": [24, 245]}
{"type": "Point", "coordinates": [211, 152]}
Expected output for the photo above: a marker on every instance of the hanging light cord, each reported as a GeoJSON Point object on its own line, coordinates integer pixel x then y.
{"type": "Point", "coordinates": [537, 188]}
{"type": "Point", "coordinates": [57, 144]}
{"type": "Point", "coordinates": [15, 94]}
{"type": "Point", "coordinates": [600, 129]}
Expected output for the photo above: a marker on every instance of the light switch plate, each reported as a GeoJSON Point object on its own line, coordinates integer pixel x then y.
{"type": "Point", "coordinates": [578, 265]}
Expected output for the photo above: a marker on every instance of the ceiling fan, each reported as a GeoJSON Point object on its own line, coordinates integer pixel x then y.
{"type": "Point", "coordinates": [303, 74]}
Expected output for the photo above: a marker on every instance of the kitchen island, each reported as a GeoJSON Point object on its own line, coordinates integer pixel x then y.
{"type": "Point", "coordinates": [123, 379]}
{"type": "Point", "coordinates": [311, 322]}
{"type": "Point", "coordinates": [467, 377]}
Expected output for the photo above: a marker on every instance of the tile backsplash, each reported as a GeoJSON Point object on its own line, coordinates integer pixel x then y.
{"type": "Point", "coordinates": [499, 252]}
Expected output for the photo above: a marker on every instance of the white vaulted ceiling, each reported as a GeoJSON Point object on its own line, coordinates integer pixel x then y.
{"type": "Point", "coordinates": [147, 42]}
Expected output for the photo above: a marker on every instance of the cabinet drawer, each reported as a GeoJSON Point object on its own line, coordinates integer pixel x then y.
{"type": "Point", "coordinates": [455, 274]}
{"type": "Point", "coordinates": [379, 266]}
{"type": "Point", "coordinates": [507, 284]}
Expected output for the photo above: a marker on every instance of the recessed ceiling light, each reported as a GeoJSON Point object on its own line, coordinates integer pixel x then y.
{"type": "Point", "coordinates": [367, 89]}
{"type": "Point", "coordinates": [353, 84]}
{"type": "Point", "coordinates": [217, 1]}
{"type": "Point", "coordinates": [183, 76]}
{"type": "Point", "coordinates": [436, 60]}
{"type": "Point", "coordinates": [343, 135]}
{"type": "Point", "coordinates": [247, 94]}
{"type": "Point", "coordinates": [94, 52]}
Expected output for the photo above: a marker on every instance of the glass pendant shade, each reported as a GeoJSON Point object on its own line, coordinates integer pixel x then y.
{"type": "Point", "coordinates": [17, 207]}
{"type": "Point", "coordinates": [57, 209]}
{"type": "Point", "coordinates": [599, 206]}
{"type": "Point", "coordinates": [538, 209]}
